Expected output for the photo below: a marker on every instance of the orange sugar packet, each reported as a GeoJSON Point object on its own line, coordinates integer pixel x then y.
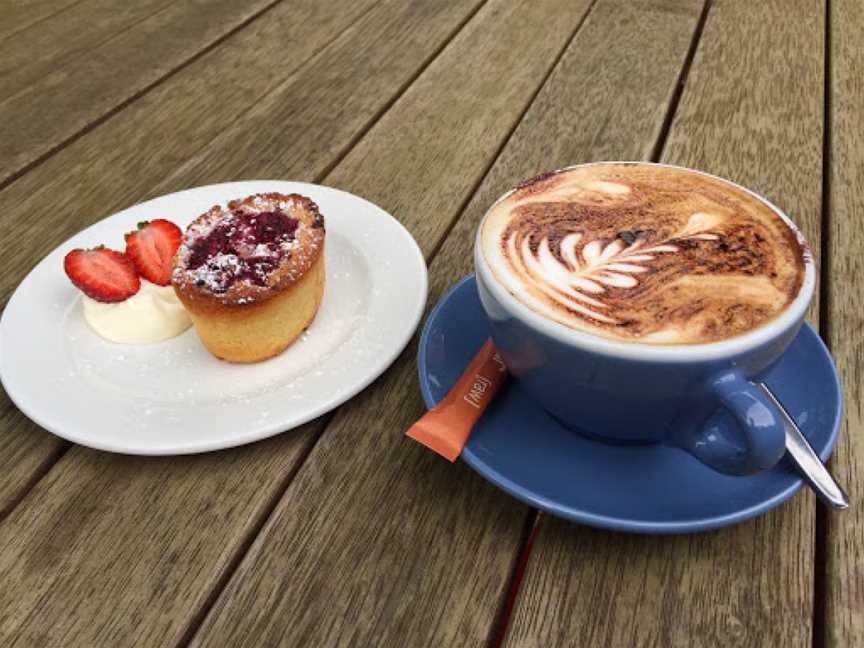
{"type": "Point", "coordinates": [446, 427]}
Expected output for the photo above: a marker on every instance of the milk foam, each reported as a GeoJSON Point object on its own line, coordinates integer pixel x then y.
{"type": "Point", "coordinates": [643, 253]}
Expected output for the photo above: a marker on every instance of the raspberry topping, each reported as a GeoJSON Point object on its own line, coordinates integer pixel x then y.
{"type": "Point", "coordinates": [244, 246]}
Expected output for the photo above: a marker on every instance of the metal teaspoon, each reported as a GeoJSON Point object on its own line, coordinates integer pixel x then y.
{"type": "Point", "coordinates": [806, 460]}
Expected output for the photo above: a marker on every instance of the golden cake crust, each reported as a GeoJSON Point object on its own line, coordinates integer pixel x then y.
{"type": "Point", "coordinates": [262, 330]}
{"type": "Point", "coordinates": [252, 276]}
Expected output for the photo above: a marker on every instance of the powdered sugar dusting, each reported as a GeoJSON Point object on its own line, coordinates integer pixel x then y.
{"type": "Point", "coordinates": [247, 244]}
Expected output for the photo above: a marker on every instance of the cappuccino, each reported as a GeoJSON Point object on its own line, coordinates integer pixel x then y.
{"type": "Point", "coordinates": [644, 253]}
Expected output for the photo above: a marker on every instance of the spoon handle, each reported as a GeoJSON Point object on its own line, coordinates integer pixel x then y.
{"type": "Point", "coordinates": [806, 459]}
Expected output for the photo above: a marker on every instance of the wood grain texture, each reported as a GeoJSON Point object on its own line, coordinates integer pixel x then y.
{"type": "Point", "coordinates": [50, 100]}
{"type": "Point", "coordinates": [156, 518]}
{"type": "Point", "coordinates": [601, 102]}
{"type": "Point", "coordinates": [327, 106]}
{"type": "Point", "coordinates": [418, 552]}
{"type": "Point", "coordinates": [423, 159]}
{"type": "Point", "coordinates": [24, 457]}
{"type": "Point", "coordinates": [62, 39]}
{"type": "Point", "coordinates": [751, 110]}
{"type": "Point", "coordinates": [18, 16]}
{"type": "Point", "coordinates": [110, 550]}
{"type": "Point", "coordinates": [844, 545]}
{"type": "Point", "coordinates": [95, 176]}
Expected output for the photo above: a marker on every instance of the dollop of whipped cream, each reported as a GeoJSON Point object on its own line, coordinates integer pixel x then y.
{"type": "Point", "coordinates": [152, 314]}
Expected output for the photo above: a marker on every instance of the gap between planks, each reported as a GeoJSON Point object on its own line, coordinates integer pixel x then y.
{"type": "Point", "coordinates": [657, 152]}
{"type": "Point", "coordinates": [49, 462]}
{"type": "Point", "coordinates": [506, 139]}
{"type": "Point", "coordinates": [71, 57]}
{"type": "Point", "coordinates": [361, 133]}
{"type": "Point", "coordinates": [533, 523]}
{"type": "Point", "coordinates": [819, 637]}
{"type": "Point", "coordinates": [245, 543]}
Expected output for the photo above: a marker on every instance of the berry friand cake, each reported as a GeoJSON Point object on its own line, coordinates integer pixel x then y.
{"type": "Point", "coordinates": [252, 275]}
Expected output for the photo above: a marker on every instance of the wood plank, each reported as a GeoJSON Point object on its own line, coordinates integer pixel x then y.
{"type": "Point", "coordinates": [94, 176]}
{"type": "Point", "coordinates": [418, 147]}
{"type": "Point", "coordinates": [111, 550]}
{"type": "Point", "coordinates": [322, 111]}
{"type": "Point", "coordinates": [408, 550]}
{"type": "Point", "coordinates": [25, 457]}
{"type": "Point", "coordinates": [177, 525]}
{"type": "Point", "coordinates": [59, 41]}
{"type": "Point", "coordinates": [74, 91]}
{"type": "Point", "coordinates": [752, 111]}
{"type": "Point", "coordinates": [18, 16]}
{"type": "Point", "coordinates": [844, 544]}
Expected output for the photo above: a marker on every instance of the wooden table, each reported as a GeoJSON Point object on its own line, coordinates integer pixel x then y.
{"type": "Point", "coordinates": [343, 532]}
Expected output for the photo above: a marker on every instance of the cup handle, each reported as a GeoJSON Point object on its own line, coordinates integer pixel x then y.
{"type": "Point", "coordinates": [758, 421]}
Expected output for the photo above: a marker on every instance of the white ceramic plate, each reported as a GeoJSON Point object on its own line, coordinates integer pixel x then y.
{"type": "Point", "coordinates": [173, 397]}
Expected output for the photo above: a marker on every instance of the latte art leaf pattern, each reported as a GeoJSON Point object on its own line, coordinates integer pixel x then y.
{"type": "Point", "coordinates": [577, 279]}
{"type": "Point", "coordinates": [643, 253]}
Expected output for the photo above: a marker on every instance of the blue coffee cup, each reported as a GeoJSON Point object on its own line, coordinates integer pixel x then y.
{"type": "Point", "coordinates": [689, 396]}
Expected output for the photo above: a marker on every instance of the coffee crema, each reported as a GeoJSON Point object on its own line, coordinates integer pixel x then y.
{"type": "Point", "coordinates": [643, 253]}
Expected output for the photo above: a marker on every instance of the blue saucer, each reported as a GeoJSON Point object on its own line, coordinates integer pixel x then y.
{"type": "Point", "coordinates": [643, 489]}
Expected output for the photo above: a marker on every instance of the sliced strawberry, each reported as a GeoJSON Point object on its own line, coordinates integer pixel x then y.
{"type": "Point", "coordinates": [152, 248]}
{"type": "Point", "coordinates": [103, 274]}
